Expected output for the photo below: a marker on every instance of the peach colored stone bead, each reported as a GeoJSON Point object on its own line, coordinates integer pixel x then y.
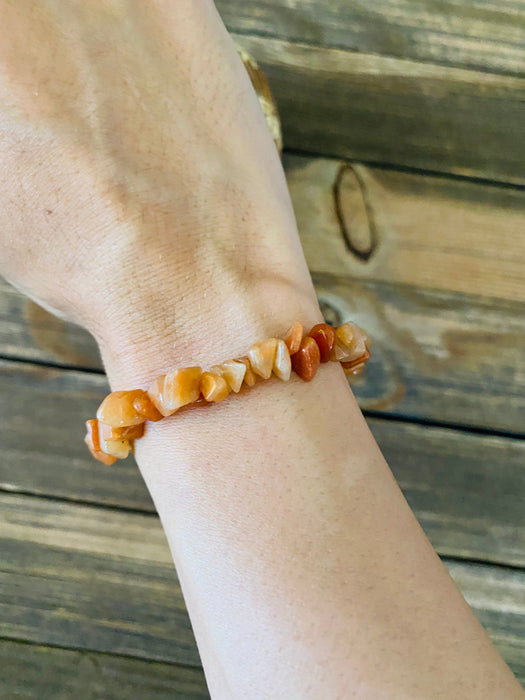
{"type": "Point", "coordinates": [250, 378]}
{"type": "Point", "coordinates": [177, 388]}
{"type": "Point", "coordinates": [352, 337]}
{"type": "Point", "coordinates": [282, 365]}
{"type": "Point", "coordinates": [339, 353]}
{"type": "Point", "coordinates": [118, 410]}
{"type": "Point", "coordinates": [93, 442]}
{"type": "Point", "coordinates": [293, 337]}
{"type": "Point", "coordinates": [353, 364]}
{"type": "Point", "coordinates": [262, 355]}
{"type": "Point", "coordinates": [144, 407]}
{"type": "Point", "coordinates": [132, 432]}
{"type": "Point", "coordinates": [233, 372]}
{"type": "Point", "coordinates": [92, 427]}
{"type": "Point", "coordinates": [324, 336]}
{"type": "Point", "coordinates": [214, 388]}
{"type": "Point", "coordinates": [116, 448]}
{"type": "Point", "coordinates": [307, 359]}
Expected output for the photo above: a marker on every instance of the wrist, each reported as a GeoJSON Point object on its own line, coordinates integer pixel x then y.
{"type": "Point", "coordinates": [200, 325]}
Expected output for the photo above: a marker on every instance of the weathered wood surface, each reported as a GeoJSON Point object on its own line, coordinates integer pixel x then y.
{"type": "Point", "coordinates": [99, 579]}
{"type": "Point", "coordinates": [29, 332]}
{"type": "Point", "coordinates": [448, 358]}
{"type": "Point", "coordinates": [34, 672]}
{"type": "Point", "coordinates": [487, 36]}
{"type": "Point", "coordinates": [395, 111]}
{"type": "Point", "coordinates": [429, 232]}
{"type": "Point", "coordinates": [466, 489]}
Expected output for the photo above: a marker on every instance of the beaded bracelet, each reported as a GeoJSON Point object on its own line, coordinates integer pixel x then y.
{"type": "Point", "coordinates": [121, 417]}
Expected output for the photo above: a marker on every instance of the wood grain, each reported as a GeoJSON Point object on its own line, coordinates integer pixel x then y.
{"type": "Point", "coordinates": [467, 490]}
{"type": "Point", "coordinates": [429, 232]}
{"type": "Point", "coordinates": [29, 332]}
{"type": "Point", "coordinates": [395, 111]}
{"type": "Point", "coordinates": [32, 671]}
{"type": "Point", "coordinates": [98, 579]}
{"type": "Point", "coordinates": [464, 33]}
{"type": "Point", "coordinates": [449, 358]}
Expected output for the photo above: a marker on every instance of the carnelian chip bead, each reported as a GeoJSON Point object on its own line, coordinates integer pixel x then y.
{"type": "Point", "coordinates": [145, 407]}
{"type": "Point", "coordinates": [353, 338]}
{"type": "Point", "coordinates": [92, 435]}
{"type": "Point", "coordinates": [307, 359]}
{"type": "Point", "coordinates": [213, 387]}
{"type": "Point", "coordinates": [294, 337]}
{"type": "Point", "coordinates": [233, 371]}
{"type": "Point", "coordinates": [353, 364]}
{"type": "Point", "coordinates": [177, 388]}
{"type": "Point", "coordinates": [356, 370]}
{"type": "Point", "coordinates": [250, 378]}
{"type": "Point", "coordinates": [131, 432]}
{"type": "Point", "coordinates": [116, 448]}
{"type": "Point", "coordinates": [118, 410]}
{"type": "Point", "coordinates": [262, 356]}
{"type": "Point", "coordinates": [282, 364]}
{"type": "Point", "coordinates": [324, 336]}
{"type": "Point", "coordinates": [340, 352]}
{"type": "Point", "coordinates": [92, 440]}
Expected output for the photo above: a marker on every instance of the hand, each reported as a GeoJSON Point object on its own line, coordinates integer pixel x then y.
{"type": "Point", "coordinates": [140, 187]}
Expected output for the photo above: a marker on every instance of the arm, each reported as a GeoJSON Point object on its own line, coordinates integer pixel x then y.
{"type": "Point", "coordinates": [172, 238]}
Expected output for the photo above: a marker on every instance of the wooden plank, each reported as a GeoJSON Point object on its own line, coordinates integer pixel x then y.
{"type": "Point", "coordinates": [395, 111]}
{"type": "Point", "coordinates": [99, 579]}
{"type": "Point", "coordinates": [497, 597]}
{"type": "Point", "coordinates": [31, 671]}
{"type": "Point", "coordinates": [424, 231]}
{"type": "Point", "coordinates": [484, 35]}
{"type": "Point", "coordinates": [90, 578]}
{"type": "Point", "coordinates": [29, 332]}
{"type": "Point", "coordinates": [436, 356]}
{"type": "Point", "coordinates": [467, 490]}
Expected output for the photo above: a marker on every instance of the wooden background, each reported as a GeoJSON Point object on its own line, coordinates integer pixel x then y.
{"type": "Point", "coordinates": [404, 132]}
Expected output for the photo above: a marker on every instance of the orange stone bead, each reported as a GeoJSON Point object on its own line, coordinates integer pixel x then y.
{"type": "Point", "coordinates": [92, 434]}
{"type": "Point", "coordinates": [92, 440]}
{"type": "Point", "coordinates": [132, 432]}
{"type": "Point", "coordinates": [250, 378]}
{"type": "Point", "coordinates": [324, 336]}
{"type": "Point", "coordinates": [213, 387]}
{"type": "Point", "coordinates": [145, 407]}
{"type": "Point", "coordinates": [262, 355]}
{"type": "Point", "coordinates": [175, 389]}
{"type": "Point", "coordinates": [353, 338]}
{"type": "Point", "coordinates": [354, 364]}
{"type": "Point", "coordinates": [294, 337]}
{"type": "Point", "coordinates": [118, 410]}
{"type": "Point", "coordinates": [307, 359]}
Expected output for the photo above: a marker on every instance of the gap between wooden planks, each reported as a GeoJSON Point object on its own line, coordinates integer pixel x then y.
{"type": "Point", "coordinates": [489, 37]}
{"type": "Point", "coordinates": [395, 111]}
{"type": "Point", "coordinates": [90, 578]}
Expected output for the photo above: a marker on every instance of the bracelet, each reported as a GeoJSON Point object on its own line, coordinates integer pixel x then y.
{"type": "Point", "coordinates": [122, 415]}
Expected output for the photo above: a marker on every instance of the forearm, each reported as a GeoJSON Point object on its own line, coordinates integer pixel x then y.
{"type": "Point", "coordinates": [304, 571]}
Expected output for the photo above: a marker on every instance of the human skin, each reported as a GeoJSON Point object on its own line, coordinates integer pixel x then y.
{"type": "Point", "coordinates": [142, 197]}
